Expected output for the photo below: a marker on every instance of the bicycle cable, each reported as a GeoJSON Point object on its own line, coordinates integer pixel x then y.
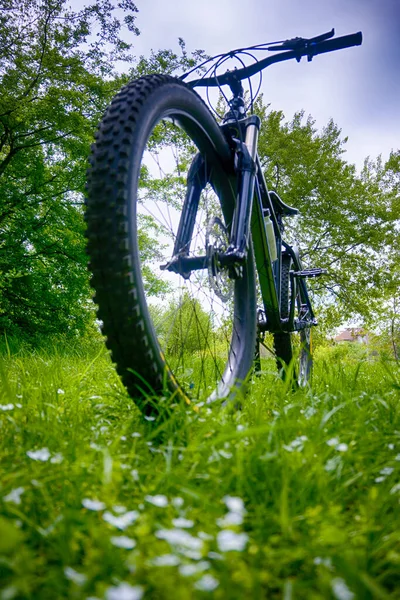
{"type": "Point", "coordinates": [212, 72]}
{"type": "Point", "coordinates": [228, 54]}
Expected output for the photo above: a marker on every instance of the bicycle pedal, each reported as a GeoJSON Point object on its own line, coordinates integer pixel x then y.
{"type": "Point", "coordinates": [309, 273]}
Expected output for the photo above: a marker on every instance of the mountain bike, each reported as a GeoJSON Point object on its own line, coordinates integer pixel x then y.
{"type": "Point", "coordinates": [186, 243]}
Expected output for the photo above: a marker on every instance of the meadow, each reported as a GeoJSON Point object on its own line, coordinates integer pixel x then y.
{"type": "Point", "coordinates": [294, 495]}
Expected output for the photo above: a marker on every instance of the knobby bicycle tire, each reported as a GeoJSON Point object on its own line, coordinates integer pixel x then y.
{"type": "Point", "coordinates": [297, 361]}
{"type": "Point", "coordinates": [165, 333]}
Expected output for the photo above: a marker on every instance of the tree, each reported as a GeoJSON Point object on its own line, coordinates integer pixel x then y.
{"type": "Point", "coordinates": [348, 221]}
{"type": "Point", "coordinates": [387, 317]}
{"type": "Point", "coordinates": [57, 77]}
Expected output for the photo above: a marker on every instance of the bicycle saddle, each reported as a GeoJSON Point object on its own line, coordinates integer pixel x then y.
{"type": "Point", "coordinates": [280, 207]}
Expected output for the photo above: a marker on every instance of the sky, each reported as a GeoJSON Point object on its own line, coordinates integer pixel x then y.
{"type": "Point", "coordinates": [359, 87]}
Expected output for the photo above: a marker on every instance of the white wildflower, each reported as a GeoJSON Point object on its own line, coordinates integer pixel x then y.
{"type": "Point", "coordinates": [297, 444]}
{"type": "Point", "coordinates": [390, 446]}
{"type": "Point", "coordinates": [93, 504]}
{"type": "Point", "coordinates": [180, 537]}
{"type": "Point", "coordinates": [166, 560]}
{"type": "Point", "coordinates": [204, 536]}
{"type": "Point", "coordinates": [118, 509]}
{"type": "Point", "coordinates": [14, 495]}
{"type": "Point", "coordinates": [158, 500]}
{"type": "Point", "coordinates": [182, 523]}
{"type": "Point", "coordinates": [72, 575]}
{"type": "Point", "coordinates": [229, 540]}
{"type": "Point", "coordinates": [395, 489]}
{"type": "Point", "coordinates": [60, 391]}
{"type": "Point", "coordinates": [123, 521]}
{"type": "Point", "coordinates": [9, 593]}
{"type": "Point", "coordinates": [234, 504]}
{"type": "Point", "coordinates": [397, 457]}
{"type": "Point", "coordinates": [386, 471]}
{"type": "Point", "coordinates": [340, 589]}
{"type": "Point", "coordinates": [192, 554]}
{"type": "Point", "coordinates": [309, 412]}
{"type": "Point", "coordinates": [380, 479]}
{"type": "Point", "coordinates": [123, 541]}
{"type": "Point", "coordinates": [333, 442]}
{"type": "Point", "coordinates": [327, 562]}
{"type": "Point", "coordinates": [231, 518]}
{"type": "Point", "coordinates": [225, 454]}
{"type": "Point", "coordinates": [124, 591]}
{"type": "Point", "coordinates": [193, 569]}
{"type": "Point", "coordinates": [57, 459]}
{"type": "Point", "coordinates": [42, 455]}
{"type": "Point", "coordinates": [235, 514]}
{"type": "Point", "coordinates": [5, 407]}
{"type": "Point", "coordinates": [136, 434]}
{"type": "Point", "coordinates": [342, 447]}
{"type": "Point", "coordinates": [215, 556]}
{"type": "Point", "coordinates": [207, 583]}
{"type": "Point", "coordinates": [333, 463]}
{"type": "Point", "coordinates": [150, 418]}
{"type": "Point", "coordinates": [177, 502]}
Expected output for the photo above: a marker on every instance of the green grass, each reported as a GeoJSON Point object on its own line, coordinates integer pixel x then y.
{"type": "Point", "coordinates": [317, 472]}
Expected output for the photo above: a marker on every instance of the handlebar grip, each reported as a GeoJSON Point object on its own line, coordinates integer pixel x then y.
{"type": "Point", "coordinates": [346, 41]}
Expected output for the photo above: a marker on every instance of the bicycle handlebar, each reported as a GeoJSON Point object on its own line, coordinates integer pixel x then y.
{"type": "Point", "coordinates": [310, 50]}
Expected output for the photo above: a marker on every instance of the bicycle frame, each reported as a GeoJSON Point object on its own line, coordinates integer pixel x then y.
{"type": "Point", "coordinates": [253, 200]}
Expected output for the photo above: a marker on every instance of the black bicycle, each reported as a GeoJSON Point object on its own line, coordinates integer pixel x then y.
{"type": "Point", "coordinates": [186, 245]}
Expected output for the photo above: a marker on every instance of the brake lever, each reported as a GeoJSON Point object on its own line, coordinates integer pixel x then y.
{"type": "Point", "coordinates": [292, 44]}
{"type": "Point", "coordinates": [301, 43]}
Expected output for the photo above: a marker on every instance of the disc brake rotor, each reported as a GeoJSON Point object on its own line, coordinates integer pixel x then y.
{"type": "Point", "coordinates": [217, 242]}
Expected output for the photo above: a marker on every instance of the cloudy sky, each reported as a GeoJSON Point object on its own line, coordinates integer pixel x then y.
{"type": "Point", "coordinates": [358, 87]}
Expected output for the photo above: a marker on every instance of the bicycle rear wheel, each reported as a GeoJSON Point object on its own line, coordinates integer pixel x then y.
{"type": "Point", "coordinates": [190, 336]}
{"type": "Point", "coordinates": [293, 350]}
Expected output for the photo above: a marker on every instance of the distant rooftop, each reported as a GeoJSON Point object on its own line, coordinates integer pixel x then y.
{"type": "Point", "coordinates": [352, 334]}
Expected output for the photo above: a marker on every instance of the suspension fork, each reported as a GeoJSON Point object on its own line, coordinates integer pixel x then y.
{"type": "Point", "coordinates": [246, 155]}
{"type": "Point", "coordinates": [238, 213]}
{"type": "Point", "coordinates": [197, 179]}
{"type": "Point", "coordinates": [201, 172]}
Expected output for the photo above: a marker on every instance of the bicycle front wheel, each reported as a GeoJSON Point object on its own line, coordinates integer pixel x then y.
{"type": "Point", "coordinates": [191, 334]}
